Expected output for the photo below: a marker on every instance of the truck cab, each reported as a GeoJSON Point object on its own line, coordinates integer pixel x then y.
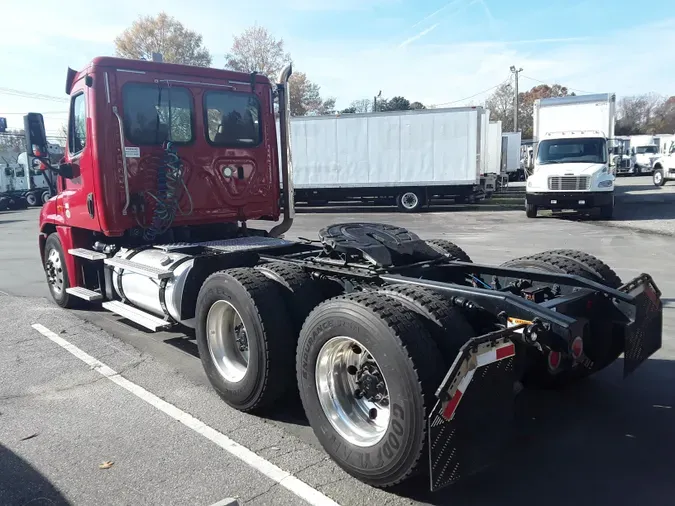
{"type": "Point", "coordinates": [664, 167]}
{"type": "Point", "coordinates": [571, 171]}
{"type": "Point", "coordinates": [643, 158]}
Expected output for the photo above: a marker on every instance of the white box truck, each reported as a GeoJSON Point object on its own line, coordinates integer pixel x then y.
{"type": "Point", "coordinates": [408, 156]}
{"type": "Point", "coordinates": [572, 165]}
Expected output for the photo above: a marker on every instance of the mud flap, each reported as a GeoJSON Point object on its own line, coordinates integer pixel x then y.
{"type": "Point", "coordinates": [472, 423]}
{"type": "Point", "coordinates": [644, 329]}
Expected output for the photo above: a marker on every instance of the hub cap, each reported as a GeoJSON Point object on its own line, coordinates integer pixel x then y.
{"type": "Point", "coordinates": [352, 391]}
{"type": "Point", "coordinates": [54, 270]}
{"type": "Point", "coordinates": [409, 200]}
{"type": "Point", "coordinates": [228, 341]}
{"type": "Point", "coordinates": [657, 177]}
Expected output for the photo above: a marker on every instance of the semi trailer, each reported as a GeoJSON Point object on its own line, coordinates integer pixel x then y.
{"type": "Point", "coordinates": [406, 355]}
{"type": "Point", "coordinates": [406, 157]}
{"type": "Point", "coordinates": [511, 150]}
{"type": "Point", "coordinates": [573, 168]}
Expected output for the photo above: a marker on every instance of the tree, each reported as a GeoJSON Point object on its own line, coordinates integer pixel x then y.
{"type": "Point", "coordinates": [645, 114]}
{"type": "Point", "coordinates": [12, 142]}
{"type": "Point", "coordinates": [361, 106]}
{"type": "Point", "coordinates": [416, 106]}
{"type": "Point", "coordinates": [256, 50]}
{"type": "Point", "coordinates": [500, 104]}
{"type": "Point", "coordinates": [393, 104]}
{"type": "Point", "coordinates": [348, 110]}
{"type": "Point", "coordinates": [305, 97]}
{"type": "Point", "coordinates": [162, 34]}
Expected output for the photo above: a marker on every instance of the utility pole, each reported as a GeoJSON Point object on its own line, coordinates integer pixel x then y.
{"type": "Point", "coordinates": [375, 101]}
{"type": "Point", "coordinates": [515, 73]}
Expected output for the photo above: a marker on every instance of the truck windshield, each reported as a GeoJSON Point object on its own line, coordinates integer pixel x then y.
{"type": "Point", "coordinates": [641, 150]}
{"type": "Point", "coordinates": [232, 119]}
{"type": "Point", "coordinates": [579, 150]}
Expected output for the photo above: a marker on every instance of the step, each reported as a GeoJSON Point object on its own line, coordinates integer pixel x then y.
{"type": "Point", "coordinates": [84, 293]}
{"type": "Point", "coordinates": [136, 315]}
{"type": "Point", "coordinates": [144, 270]}
{"type": "Point", "coordinates": [87, 253]}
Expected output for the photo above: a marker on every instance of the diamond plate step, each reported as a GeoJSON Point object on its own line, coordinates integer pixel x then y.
{"type": "Point", "coordinates": [87, 253]}
{"type": "Point", "coordinates": [136, 315]}
{"type": "Point", "coordinates": [84, 293]}
{"type": "Point", "coordinates": [144, 270]}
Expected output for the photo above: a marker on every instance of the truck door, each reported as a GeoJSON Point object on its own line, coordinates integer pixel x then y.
{"type": "Point", "coordinates": [77, 197]}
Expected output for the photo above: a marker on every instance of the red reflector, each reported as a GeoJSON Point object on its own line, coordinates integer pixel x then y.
{"type": "Point", "coordinates": [554, 360]}
{"type": "Point", "coordinates": [589, 305]}
{"type": "Point", "coordinates": [452, 405]}
{"type": "Point", "coordinates": [506, 351]}
{"type": "Point", "coordinates": [577, 347]}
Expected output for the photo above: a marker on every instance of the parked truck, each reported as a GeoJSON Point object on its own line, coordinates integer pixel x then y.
{"type": "Point", "coordinates": [513, 167]}
{"type": "Point", "coordinates": [407, 157]}
{"type": "Point", "coordinates": [644, 151]}
{"type": "Point", "coordinates": [34, 183]}
{"type": "Point", "coordinates": [12, 195]}
{"type": "Point", "coordinates": [664, 167]}
{"type": "Point", "coordinates": [572, 167]}
{"type": "Point", "coordinates": [398, 347]}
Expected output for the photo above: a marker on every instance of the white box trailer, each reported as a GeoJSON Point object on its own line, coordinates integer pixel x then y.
{"type": "Point", "coordinates": [494, 147]}
{"type": "Point", "coordinates": [409, 156]}
{"type": "Point", "coordinates": [511, 151]}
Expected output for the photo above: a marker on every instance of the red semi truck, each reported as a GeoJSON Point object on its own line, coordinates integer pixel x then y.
{"type": "Point", "coordinates": [405, 353]}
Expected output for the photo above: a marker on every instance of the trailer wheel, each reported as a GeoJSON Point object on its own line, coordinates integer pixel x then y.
{"type": "Point", "coordinates": [245, 338]}
{"type": "Point", "coordinates": [31, 199]}
{"type": "Point", "coordinates": [57, 273]}
{"type": "Point", "coordinates": [367, 370]}
{"type": "Point", "coordinates": [410, 201]}
{"type": "Point", "coordinates": [45, 197]}
{"type": "Point", "coordinates": [449, 248]}
{"type": "Point", "coordinates": [4, 203]}
{"type": "Point", "coordinates": [445, 323]}
{"type": "Point", "coordinates": [301, 293]}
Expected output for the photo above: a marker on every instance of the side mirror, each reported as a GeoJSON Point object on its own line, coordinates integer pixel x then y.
{"type": "Point", "coordinates": [65, 170]}
{"type": "Point", "coordinates": [36, 138]}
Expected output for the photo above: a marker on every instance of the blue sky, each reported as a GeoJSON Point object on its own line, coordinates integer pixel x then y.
{"type": "Point", "coordinates": [435, 51]}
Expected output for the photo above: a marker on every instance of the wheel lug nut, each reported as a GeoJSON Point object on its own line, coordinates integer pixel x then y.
{"type": "Point", "coordinates": [356, 349]}
{"type": "Point", "coordinates": [372, 413]}
{"type": "Point", "coordinates": [384, 401]}
{"type": "Point", "coordinates": [358, 393]}
{"type": "Point", "coordinates": [351, 370]}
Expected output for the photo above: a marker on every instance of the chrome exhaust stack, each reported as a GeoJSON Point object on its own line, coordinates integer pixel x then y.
{"type": "Point", "coordinates": [286, 158]}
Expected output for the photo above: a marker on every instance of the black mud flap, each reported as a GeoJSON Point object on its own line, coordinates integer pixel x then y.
{"type": "Point", "coordinates": [472, 423]}
{"type": "Point", "coordinates": [645, 321]}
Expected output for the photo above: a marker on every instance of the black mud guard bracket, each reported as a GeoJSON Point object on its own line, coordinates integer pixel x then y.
{"type": "Point", "coordinates": [473, 421]}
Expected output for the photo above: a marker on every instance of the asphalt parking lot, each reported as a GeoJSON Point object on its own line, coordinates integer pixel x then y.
{"type": "Point", "coordinates": [93, 412]}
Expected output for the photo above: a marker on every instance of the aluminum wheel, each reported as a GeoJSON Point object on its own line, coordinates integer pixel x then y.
{"type": "Point", "coordinates": [410, 200]}
{"type": "Point", "coordinates": [54, 270]}
{"type": "Point", "coordinates": [658, 178]}
{"type": "Point", "coordinates": [352, 391]}
{"type": "Point", "coordinates": [227, 341]}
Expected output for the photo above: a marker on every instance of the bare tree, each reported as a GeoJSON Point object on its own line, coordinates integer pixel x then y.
{"type": "Point", "coordinates": [361, 106]}
{"type": "Point", "coordinates": [162, 34]}
{"type": "Point", "coordinates": [500, 104]}
{"type": "Point", "coordinates": [305, 97]}
{"type": "Point", "coordinates": [256, 50]}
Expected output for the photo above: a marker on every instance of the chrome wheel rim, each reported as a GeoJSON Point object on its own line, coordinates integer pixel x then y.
{"type": "Point", "coordinates": [227, 341]}
{"type": "Point", "coordinates": [409, 200]}
{"type": "Point", "coordinates": [352, 391]}
{"type": "Point", "coordinates": [54, 270]}
{"type": "Point", "coordinates": [657, 177]}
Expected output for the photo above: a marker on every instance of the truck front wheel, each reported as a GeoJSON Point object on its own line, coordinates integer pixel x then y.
{"type": "Point", "coordinates": [530, 210]}
{"type": "Point", "coordinates": [658, 178]}
{"type": "Point", "coordinates": [32, 199]}
{"type": "Point", "coordinates": [245, 338]}
{"type": "Point", "coordinates": [367, 370]}
{"type": "Point", "coordinates": [57, 273]}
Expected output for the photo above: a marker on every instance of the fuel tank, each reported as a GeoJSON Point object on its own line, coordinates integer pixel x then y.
{"type": "Point", "coordinates": [145, 292]}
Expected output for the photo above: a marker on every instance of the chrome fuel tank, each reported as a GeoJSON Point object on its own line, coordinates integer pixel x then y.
{"type": "Point", "coordinates": [145, 292]}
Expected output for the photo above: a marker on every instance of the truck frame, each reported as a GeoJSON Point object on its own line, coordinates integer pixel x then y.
{"type": "Point", "coordinates": [405, 353]}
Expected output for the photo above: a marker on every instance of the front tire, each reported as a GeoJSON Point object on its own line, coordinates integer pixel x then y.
{"type": "Point", "coordinates": [370, 343]}
{"type": "Point", "coordinates": [32, 199]}
{"type": "Point", "coordinates": [658, 178]}
{"type": "Point", "coordinates": [530, 210]}
{"type": "Point", "coordinates": [245, 338]}
{"type": "Point", "coordinates": [57, 273]}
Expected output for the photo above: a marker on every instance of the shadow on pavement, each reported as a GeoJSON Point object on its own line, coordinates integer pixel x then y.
{"type": "Point", "coordinates": [605, 441]}
{"type": "Point", "coordinates": [21, 483]}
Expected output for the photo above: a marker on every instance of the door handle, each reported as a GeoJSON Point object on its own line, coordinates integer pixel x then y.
{"type": "Point", "coordinates": [90, 205]}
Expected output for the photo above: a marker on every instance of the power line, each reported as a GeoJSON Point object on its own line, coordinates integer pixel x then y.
{"type": "Point", "coordinates": [28, 94]}
{"type": "Point", "coordinates": [475, 95]}
{"type": "Point", "coordinates": [548, 83]}
{"type": "Point", "coordinates": [24, 113]}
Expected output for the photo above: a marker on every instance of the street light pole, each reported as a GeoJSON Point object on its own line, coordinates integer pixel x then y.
{"type": "Point", "coordinates": [515, 72]}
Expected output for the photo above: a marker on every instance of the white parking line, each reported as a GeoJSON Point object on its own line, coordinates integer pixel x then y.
{"type": "Point", "coordinates": [283, 478]}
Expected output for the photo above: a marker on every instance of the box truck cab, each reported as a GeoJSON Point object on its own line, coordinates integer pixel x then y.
{"type": "Point", "coordinates": [644, 153]}
{"type": "Point", "coordinates": [572, 165]}
{"type": "Point", "coordinates": [664, 167]}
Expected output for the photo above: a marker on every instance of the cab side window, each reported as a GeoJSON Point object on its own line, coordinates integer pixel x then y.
{"type": "Point", "coordinates": [77, 136]}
